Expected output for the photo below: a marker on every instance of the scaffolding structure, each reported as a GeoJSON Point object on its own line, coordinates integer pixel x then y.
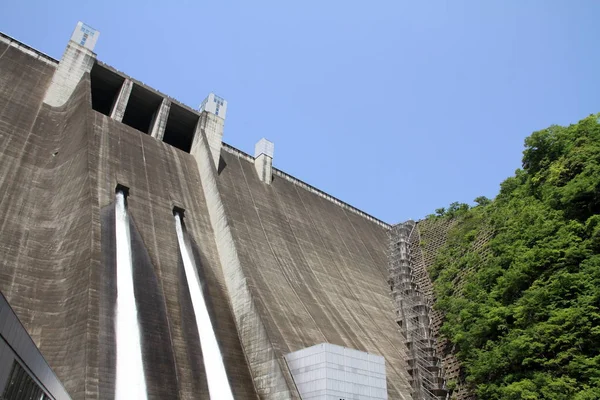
{"type": "Point", "coordinates": [412, 315]}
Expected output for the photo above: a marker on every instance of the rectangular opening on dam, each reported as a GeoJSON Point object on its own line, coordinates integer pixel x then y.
{"type": "Point", "coordinates": [106, 86]}
{"type": "Point", "coordinates": [180, 129]}
{"type": "Point", "coordinates": [142, 108]}
{"type": "Point", "coordinates": [122, 188]}
{"type": "Point", "coordinates": [178, 210]}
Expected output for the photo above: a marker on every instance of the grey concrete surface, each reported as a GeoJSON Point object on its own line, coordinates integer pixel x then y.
{"type": "Point", "coordinates": [213, 127]}
{"type": "Point", "coordinates": [159, 122]}
{"type": "Point", "coordinates": [285, 266]}
{"type": "Point", "coordinates": [58, 169]}
{"type": "Point", "coordinates": [75, 62]}
{"type": "Point", "coordinates": [271, 377]}
{"type": "Point", "coordinates": [263, 164]}
{"type": "Point", "coordinates": [317, 273]}
{"type": "Point", "coordinates": [118, 109]}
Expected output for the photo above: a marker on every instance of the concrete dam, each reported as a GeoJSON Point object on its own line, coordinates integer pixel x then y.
{"type": "Point", "coordinates": [141, 257]}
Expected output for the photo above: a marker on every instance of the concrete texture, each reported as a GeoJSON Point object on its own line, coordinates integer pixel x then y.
{"type": "Point", "coordinates": [263, 164]}
{"type": "Point", "coordinates": [263, 160]}
{"type": "Point", "coordinates": [58, 170]}
{"type": "Point", "coordinates": [118, 109]}
{"type": "Point", "coordinates": [271, 377]}
{"type": "Point", "coordinates": [45, 231]}
{"type": "Point", "coordinates": [285, 265]}
{"type": "Point", "coordinates": [316, 272]}
{"type": "Point", "coordinates": [159, 123]}
{"type": "Point", "coordinates": [213, 127]}
{"type": "Point", "coordinates": [160, 176]}
{"type": "Point", "coordinates": [75, 62]}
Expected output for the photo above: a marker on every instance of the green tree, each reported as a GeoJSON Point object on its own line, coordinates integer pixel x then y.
{"type": "Point", "coordinates": [525, 318]}
{"type": "Point", "coordinates": [482, 201]}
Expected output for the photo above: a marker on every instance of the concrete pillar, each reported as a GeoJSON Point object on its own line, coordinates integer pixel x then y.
{"type": "Point", "coordinates": [159, 122]}
{"type": "Point", "coordinates": [272, 377]}
{"type": "Point", "coordinates": [118, 109]}
{"type": "Point", "coordinates": [77, 59]}
{"type": "Point", "coordinates": [214, 110]}
{"type": "Point", "coordinates": [213, 127]}
{"type": "Point", "coordinates": [263, 160]}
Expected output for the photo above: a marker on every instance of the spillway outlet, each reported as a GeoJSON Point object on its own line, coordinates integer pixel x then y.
{"type": "Point", "coordinates": [122, 188]}
{"type": "Point", "coordinates": [178, 210]}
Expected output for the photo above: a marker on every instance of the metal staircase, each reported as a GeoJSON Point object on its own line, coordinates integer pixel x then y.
{"type": "Point", "coordinates": [412, 308]}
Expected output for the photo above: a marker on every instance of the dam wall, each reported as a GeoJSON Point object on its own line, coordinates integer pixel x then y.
{"type": "Point", "coordinates": [318, 272]}
{"type": "Point", "coordinates": [283, 265]}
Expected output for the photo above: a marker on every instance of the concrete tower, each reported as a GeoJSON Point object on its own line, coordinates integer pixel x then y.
{"type": "Point", "coordinates": [214, 110]}
{"type": "Point", "coordinates": [77, 59]}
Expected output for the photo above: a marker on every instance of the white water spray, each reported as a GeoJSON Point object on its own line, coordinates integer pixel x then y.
{"type": "Point", "coordinates": [218, 384]}
{"type": "Point", "coordinates": [130, 382]}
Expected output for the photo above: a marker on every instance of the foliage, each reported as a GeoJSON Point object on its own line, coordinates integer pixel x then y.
{"type": "Point", "coordinates": [454, 210]}
{"type": "Point", "coordinates": [482, 201]}
{"type": "Point", "coordinates": [526, 317]}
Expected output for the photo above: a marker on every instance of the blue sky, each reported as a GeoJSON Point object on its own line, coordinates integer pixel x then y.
{"type": "Point", "coordinates": [395, 107]}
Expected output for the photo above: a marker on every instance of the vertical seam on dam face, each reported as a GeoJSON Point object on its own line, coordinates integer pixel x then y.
{"type": "Point", "coordinates": [257, 277]}
{"type": "Point", "coordinates": [218, 384]}
{"type": "Point", "coordinates": [260, 351]}
{"type": "Point", "coordinates": [130, 379]}
{"type": "Point", "coordinates": [275, 254]}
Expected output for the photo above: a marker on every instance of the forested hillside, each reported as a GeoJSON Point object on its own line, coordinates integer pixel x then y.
{"type": "Point", "coordinates": [525, 318]}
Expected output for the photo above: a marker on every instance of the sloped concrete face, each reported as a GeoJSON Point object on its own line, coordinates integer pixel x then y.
{"type": "Point", "coordinates": [45, 233]}
{"type": "Point", "coordinates": [160, 176]}
{"type": "Point", "coordinates": [327, 371]}
{"type": "Point", "coordinates": [283, 267]}
{"type": "Point", "coordinates": [58, 170]}
{"type": "Point", "coordinates": [76, 61]}
{"type": "Point", "coordinates": [213, 127]}
{"type": "Point", "coordinates": [317, 273]}
{"type": "Point", "coordinates": [272, 379]}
